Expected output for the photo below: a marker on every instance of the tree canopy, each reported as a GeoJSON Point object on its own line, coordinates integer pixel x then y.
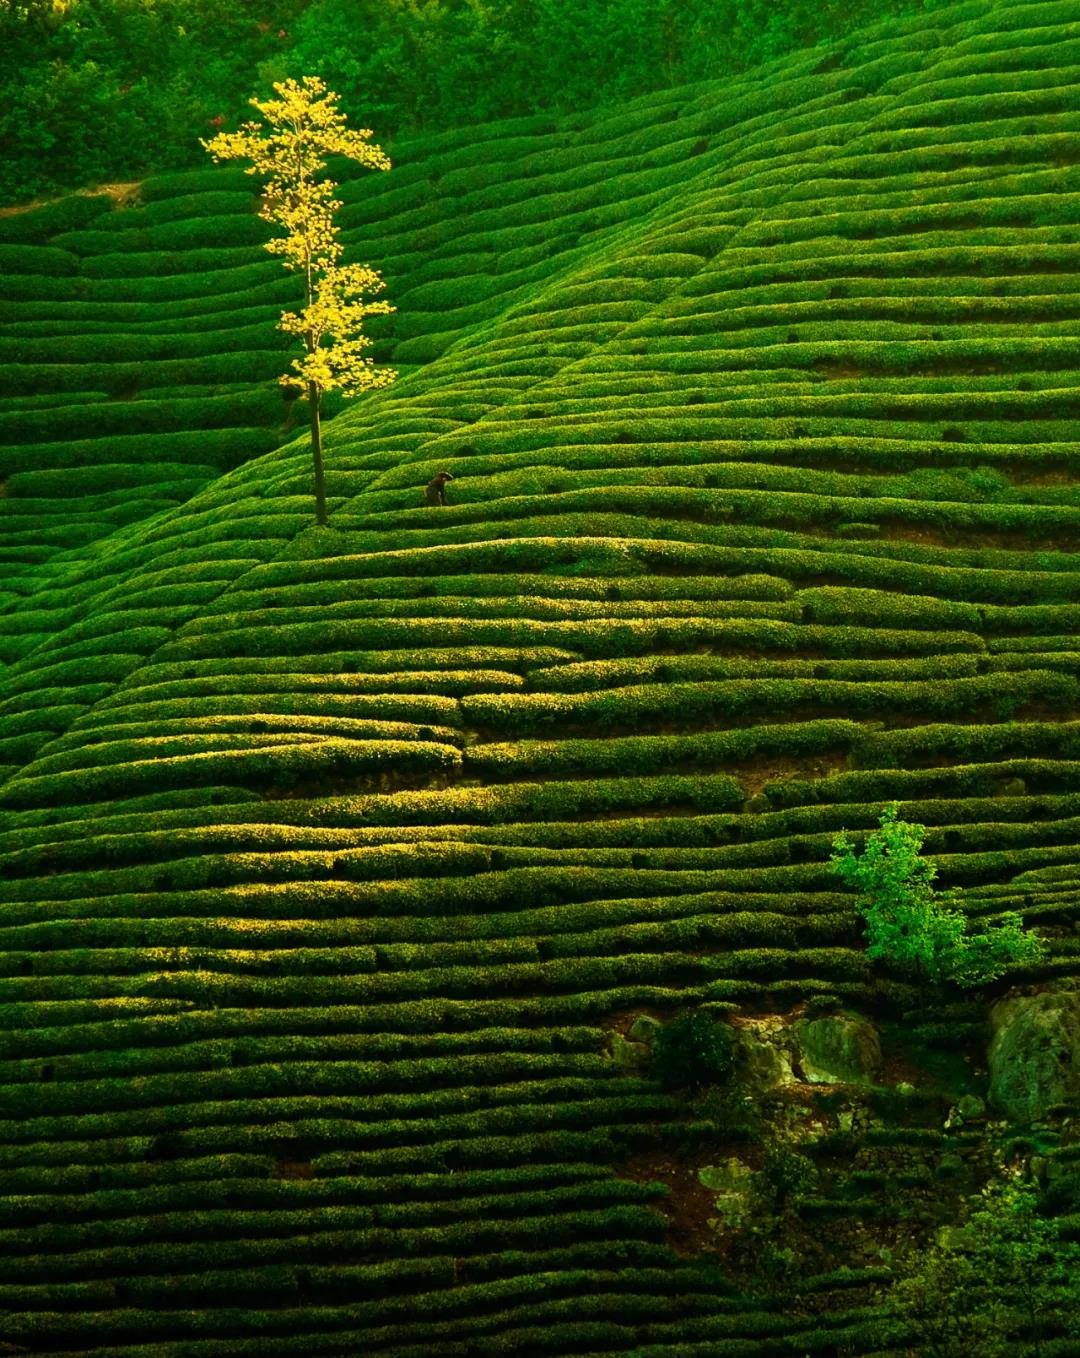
{"type": "Point", "coordinates": [298, 130]}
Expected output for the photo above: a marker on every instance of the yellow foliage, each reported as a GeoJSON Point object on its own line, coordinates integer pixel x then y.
{"type": "Point", "coordinates": [300, 127]}
{"type": "Point", "coordinates": [337, 314]}
{"type": "Point", "coordinates": [305, 124]}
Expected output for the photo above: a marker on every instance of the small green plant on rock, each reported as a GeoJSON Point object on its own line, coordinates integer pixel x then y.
{"type": "Point", "coordinates": [910, 923]}
{"type": "Point", "coordinates": [693, 1050]}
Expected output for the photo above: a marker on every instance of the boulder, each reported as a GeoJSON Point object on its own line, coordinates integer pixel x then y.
{"type": "Point", "coordinates": [644, 1028]}
{"type": "Point", "coordinates": [762, 1055]}
{"type": "Point", "coordinates": [731, 1183]}
{"type": "Point", "coordinates": [631, 1056]}
{"type": "Point", "coordinates": [970, 1107]}
{"type": "Point", "coordinates": [1034, 1055]}
{"type": "Point", "coordinates": [840, 1048]}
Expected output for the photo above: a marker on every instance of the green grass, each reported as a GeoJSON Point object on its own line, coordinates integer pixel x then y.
{"type": "Point", "coordinates": [340, 848]}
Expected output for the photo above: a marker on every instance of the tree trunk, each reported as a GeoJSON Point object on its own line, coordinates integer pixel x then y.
{"type": "Point", "coordinates": [314, 398]}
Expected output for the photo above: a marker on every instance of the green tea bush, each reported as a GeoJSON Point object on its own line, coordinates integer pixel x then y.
{"type": "Point", "coordinates": [193, 232]}
{"type": "Point", "coordinates": [692, 1050]}
{"type": "Point", "coordinates": [36, 259]}
{"type": "Point", "coordinates": [67, 214]}
{"type": "Point", "coordinates": [392, 985]}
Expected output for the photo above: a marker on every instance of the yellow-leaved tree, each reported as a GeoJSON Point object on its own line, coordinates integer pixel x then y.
{"type": "Point", "coordinates": [299, 128]}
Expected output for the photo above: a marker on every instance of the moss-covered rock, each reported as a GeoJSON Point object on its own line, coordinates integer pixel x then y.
{"type": "Point", "coordinates": [762, 1055]}
{"type": "Point", "coordinates": [631, 1056]}
{"type": "Point", "coordinates": [1034, 1055]}
{"type": "Point", "coordinates": [841, 1048]}
{"type": "Point", "coordinates": [970, 1107]}
{"type": "Point", "coordinates": [644, 1028]}
{"type": "Point", "coordinates": [730, 1180]}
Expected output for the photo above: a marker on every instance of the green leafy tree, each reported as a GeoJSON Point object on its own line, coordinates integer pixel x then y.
{"type": "Point", "coordinates": [300, 127]}
{"type": "Point", "coordinates": [994, 1287]}
{"type": "Point", "coordinates": [910, 923]}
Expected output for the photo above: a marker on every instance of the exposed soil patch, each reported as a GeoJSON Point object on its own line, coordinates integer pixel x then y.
{"type": "Point", "coordinates": [1011, 540]}
{"type": "Point", "coordinates": [292, 1169]}
{"type": "Point", "coordinates": [1039, 710]}
{"type": "Point", "coordinates": [898, 1068]}
{"type": "Point", "coordinates": [381, 782]}
{"type": "Point", "coordinates": [1057, 476]}
{"type": "Point", "coordinates": [690, 1204]}
{"type": "Point", "coordinates": [755, 774]}
{"type": "Point", "coordinates": [838, 372]}
{"type": "Point", "coordinates": [121, 194]}
{"type": "Point", "coordinates": [636, 813]}
{"type": "Point", "coordinates": [1021, 540]}
{"type": "Point", "coordinates": [921, 537]}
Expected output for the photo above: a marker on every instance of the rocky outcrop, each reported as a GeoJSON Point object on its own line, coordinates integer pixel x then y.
{"type": "Point", "coordinates": [839, 1048]}
{"type": "Point", "coordinates": [632, 1057]}
{"type": "Point", "coordinates": [731, 1182]}
{"type": "Point", "coordinates": [644, 1029]}
{"type": "Point", "coordinates": [1034, 1055]}
{"type": "Point", "coordinates": [763, 1053]}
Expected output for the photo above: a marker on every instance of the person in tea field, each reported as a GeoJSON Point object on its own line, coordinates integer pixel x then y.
{"type": "Point", "coordinates": [435, 494]}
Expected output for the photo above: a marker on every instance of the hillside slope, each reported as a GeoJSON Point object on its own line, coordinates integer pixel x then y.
{"type": "Point", "coordinates": [332, 857]}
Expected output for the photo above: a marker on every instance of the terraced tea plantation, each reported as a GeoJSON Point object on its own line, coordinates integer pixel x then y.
{"type": "Point", "coordinates": [338, 863]}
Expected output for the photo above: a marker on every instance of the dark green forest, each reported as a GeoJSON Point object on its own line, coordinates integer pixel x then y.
{"type": "Point", "coordinates": [111, 90]}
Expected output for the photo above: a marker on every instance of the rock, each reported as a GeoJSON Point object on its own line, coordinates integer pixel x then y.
{"type": "Point", "coordinates": [845, 1119]}
{"type": "Point", "coordinates": [629, 1055]}
{"type": "Point", "coordinates": [731, 1183]}
{"type": "Point", "coordinates": [644, 1028]}
{"type": "Point", "coordinates": [970, 1107]}
{"type": "Point", "coordinates": [1034, 1055]}
{"type": "Point", "coordinates": [730, 1177]}
{"type": "Point", "coordinates": [762, 1059]}
{"type": "Point", "coordinates": [842, 1048]}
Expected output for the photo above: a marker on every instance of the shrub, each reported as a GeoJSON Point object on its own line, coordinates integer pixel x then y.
{"type": "Point", "coordinates": [912, 924]}
{"type": "Point", "coordinates": [1004, 1274]}
{"type": "Point", "coordinates": [693, 1050]}
{"type": "Point", "coordinates": [777, 1250]}
{"type": "Point", "coordinates": [733, 1112]}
